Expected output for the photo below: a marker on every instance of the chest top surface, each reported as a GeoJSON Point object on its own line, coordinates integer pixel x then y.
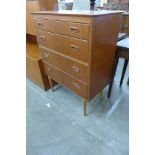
{"type": "Point", "coordinates": [78, 12]}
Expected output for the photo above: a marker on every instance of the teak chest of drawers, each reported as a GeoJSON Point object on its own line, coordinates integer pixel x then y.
{"type": "Point", "coordinates": [78, 48]}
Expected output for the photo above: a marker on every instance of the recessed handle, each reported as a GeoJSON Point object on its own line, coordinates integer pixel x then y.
{"type": "Point", "coordinates": [75, 69]}
{"type": "Point", "coordinates": [39, 23]}
{"type": "Point", "coordinates": [74, 29]}
{"type": "Point", "coordinates": [43, 38]}
{"type": "Point", "coordinates": [76, 85]}
{"type": "Point", "coordinates": [75, 48]}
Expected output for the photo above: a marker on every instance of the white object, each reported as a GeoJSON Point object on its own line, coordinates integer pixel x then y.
{"type": "Point", "coordinates": [83, 4]}
{"type": "Point", "coordinates": [63, 4]}
{"type": "Point", "coordinates": [48, 105]}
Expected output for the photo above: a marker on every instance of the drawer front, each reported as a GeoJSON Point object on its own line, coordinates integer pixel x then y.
{"type": "Point", "coordinates": [45, 24]}
{"type": "Point", "coordinates": [69, 66]}
{"type": "Point", "coordinates": [57, 61]}
{"type": "Point", "coordinates": [77, 30]}
{"type": "Point", "coordinates": [77, 48]}
{"type": "Point", "coordinates": [56, 42]}
{"type": "Point", "coordinates": [53, 72]}
{"type": "Point", "coordinates": [68, 81]}
{"type": "Point", "coordinates": [52, 58]}
{"type": "Point", "coordinates": [76, 86]}
{"type": "Point", "coordinates": [42, 38]}
{"type": "Point", "coordinates": [76, 69]}
{"type": "Point", "coordinates": [51, 40]}
{"type": "Point", "coordinates": [69, 46]}
{"type": "Point", "coordinates": [46, 68]}
{"type": "Point", "coordinates": [45, 55]}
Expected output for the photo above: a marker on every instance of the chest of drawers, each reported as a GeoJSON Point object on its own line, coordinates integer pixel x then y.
{"type": "Point", "coordinates": [78, 48]}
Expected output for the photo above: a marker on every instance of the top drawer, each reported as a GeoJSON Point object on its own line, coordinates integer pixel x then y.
{"type": "Point", "coordinates": [77, 30]}
{"type": "Point", "coordinates": [45, 24]}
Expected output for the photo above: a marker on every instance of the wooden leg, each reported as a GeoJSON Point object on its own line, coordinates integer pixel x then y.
{"type": "Point", "coordinates": [124, 70]}
{"type": "Point", "coordinates": [101, 95]}
{"type": "Point", "coordinates": [113, 75]}
{"type": "Point", "coordinates": [51, 83]}
{"type": "Point", "coordinates": [84, 106]}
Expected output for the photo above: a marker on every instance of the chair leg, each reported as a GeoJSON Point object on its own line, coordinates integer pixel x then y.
{"type": "Point", "coordinates": [123, 72]}
{"type": "Point", "coordinates": [112, 77]}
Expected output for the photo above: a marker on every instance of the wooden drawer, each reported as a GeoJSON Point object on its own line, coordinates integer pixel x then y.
{"type": "Point", "coordinates": [76, 86]}
{"type": "Point", "coordinates": [53, 72]}
{"type": "Point", "coordinates": [45, 55]}
{"type": "Point", "coordinates": [76, 48]}
{"type": "Point", "coordinates": [72, 67]}
{"type": "Point", "coordinates": [45, 24]}
{"type": "Point", "coordinates": [77, 30]}
{"type": "Point", "coordinates": [60, 76]}
{"type": "Point", "coordinates": [68, 81]}
{"type": "Point", "coordinates": [76, 69]}
{"type": "Point", "coordinates": [42, 38]}
{"type": "Point", "coordinates": [57, 60]}
{"type": "Point", "coordinates": [57, 42]}
{"type": "Point", "coordinates": [69, 46]}
{"type": "Point", "coordinates": [52, 58]}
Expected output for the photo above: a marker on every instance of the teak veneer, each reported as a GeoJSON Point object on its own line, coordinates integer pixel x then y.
{"type": "Point", "coordinates": [78, 48]}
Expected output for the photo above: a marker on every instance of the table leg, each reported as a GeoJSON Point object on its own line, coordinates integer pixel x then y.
{"type": "Point", "coordinates": [113, 75]}
{"type": "Point", "coordinates": [124, 70]}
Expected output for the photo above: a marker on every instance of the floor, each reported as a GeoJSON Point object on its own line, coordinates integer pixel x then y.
{"type": "Point", "coordinates": [56, 125]}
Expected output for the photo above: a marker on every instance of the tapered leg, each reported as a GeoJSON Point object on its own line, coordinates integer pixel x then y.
{"type": "Point", "coordinates": [84, 106]}
{"type": "Point", "coordinates": [124, 70]}
{"type": "Point", "coordinates": [112, 77]}
{"type": "Point", "coordinates": [51, 83]}
{"type": "Point", "coordinates": [101, 95]}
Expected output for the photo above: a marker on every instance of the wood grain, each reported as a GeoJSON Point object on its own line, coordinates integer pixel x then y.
{"type": "Point", "coordinates": [76, 48]}
{"type": "Point", "coordinates": [88, 72]}
{"type": "Point", "coordinates": [48, 4]}
{"type": "Point", "coordinates": [30, 7]}
{"type": "Point", "coordinates": [104, 38]}
{"type": "Point", "coordinates": [34, 71]}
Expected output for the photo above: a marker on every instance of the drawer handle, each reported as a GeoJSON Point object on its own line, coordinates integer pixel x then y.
{"type": "Point", "coordinates": [74, 29]}
{"type": "Point", "coordinates": [43, 38]}
{"type": "Point", "coordinates": [76, 85]}
{"type": "Point", "coordinates": [75, 69]}
{"type": "Point", "coordinates": [45, 55]}
{"type": "Point", "coordinates": [40, 24]}
{"type": "Point", "coordinates": [75, 48]}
